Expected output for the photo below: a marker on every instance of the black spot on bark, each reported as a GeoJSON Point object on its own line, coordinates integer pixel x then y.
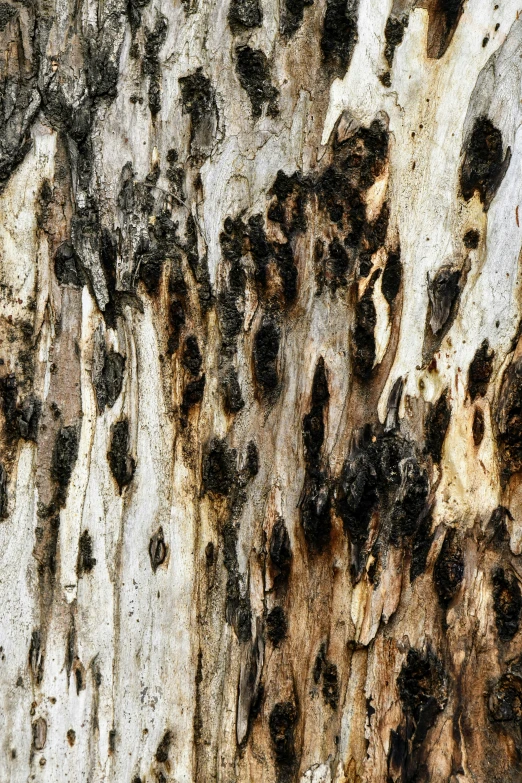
{"type": "Point", "coordinates": [67, 267]}
{"type": "Point", "coordinates": [423, 691]}
{"type": "Point", "coordinates": [409, 502]}
{"type": "Point", "coordinates": [86, 561]}
{"type": "Point", "coordinates": [484, 164]}
{"type": "Point", "coordinates": [316, 501]}
{"type": "Point", "coordinates": [448, 571]}
{"type": "Point", "coordinates": [480, 370]}
{"type": "Point", "coordinates": [29, 417]}
{"type": "Point", "coordinates": [507, 602]}
{"type": "Point", "coordinates": [191, 357]}
{"type": "Point", "coordinates": [230, 299]}
{"type": "Point", "coordinates": [150, 66]}
{"type": "Point", "coordinates": [8, 399]}
{"type": "Point", "coordinates": [280, 549]}
{"type": "Point", "coordinates": [478, 427]}
{"type": "Point", "coordinates": [282, 723]}
{"type": "Point", "coordinates": [244, 14]}
{"type": "Point", "coordinates": [363, 338]}
{"type": "Point", "coordinates": [163, 749]}
{"type": "Point", "coordinates": [209, 554]}
{"type": "Point", "coordinates": [330, 684]}
{"type": "Point", "coordinates": [383, 475]}
{"type": "Point", "coordinates": [505, 700]}
{"type": "Point", "coordinates": [337, 265]}
{"type": "Point", "coordinates": [276, 625]}
{"type": "Point", "coordinates": [357, 496]}
{"type": "Point", "coordinates": [265, 354]}
{"type": "Point", "coordinates": [7, 13]}
{"type": "Point", "coordinates": [394, 33]}
{"type": "Point", "coordinates": [471, 239]}
{"type": "Point", "coordinates": [3, 493]}
{"type": "Point", "coordinates": [313, 422]}
{"type": "Point", "coordinates": [121, 463]}
{"type": "Point", "coordinates": [509, 419]}
{"type": "Point", "coordinates": [260, 248]}
{"type": "Point", "coordinates": [251, 466]}
{"type": "Point", "coordinates": [219, 468]}
{"type": "Point", "coordinates": [109, 381]}
{"type": "Point", "coordinates": [193, 394]}
{"type": "Point", "coordinates": [315, 511]}
{"type": "Point", "coordinates": [65, 453]}
{"type": "Point", "coordinates": [421, 545]}
{"type": "Point", "coordinates": [36, 658]}
{"type": "Point", "coordinates": [176, 323]}
{"type": "Point", "coordinates": [339, 35]}
{"type": "Point", "coordinates": [292, 12]}
{"type": "Point", "coordinates": [289, 199]}
{"type": "Point", "coordinates": [392, 276]}
{"type": "Point", "coordinates": [437, 422]}
{"type": "Point", "coordinates": [232, 397]}
{"type": "Point", "coordinates": [319, 662]}
{"type": "Point", "coordinates": [197, 95]}
{"type": "Point", "coordinates": [157, 549]}
{"type": "Point", "coordinates": [253, 71]}
{"type": "Point", "coordinates": [39, 732]}
{"type": "Point", "coordinates": [443, 291]}
{"type": "Point", "coordinates": [238, 612]}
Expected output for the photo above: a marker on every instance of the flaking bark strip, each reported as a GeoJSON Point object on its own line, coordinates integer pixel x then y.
{"type": "Point", "coordinates": [443, 18]}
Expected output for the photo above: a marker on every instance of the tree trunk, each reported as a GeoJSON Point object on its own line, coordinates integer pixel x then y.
{"type": "Point", "coordinates": [261, 391]}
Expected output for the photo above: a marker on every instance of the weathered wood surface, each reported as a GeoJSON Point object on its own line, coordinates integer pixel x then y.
{"type": "Point", "coordinates": [261, 391]}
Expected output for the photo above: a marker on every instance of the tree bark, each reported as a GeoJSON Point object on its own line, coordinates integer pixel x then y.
{"type": "Point", "coordinates": [261, 391]}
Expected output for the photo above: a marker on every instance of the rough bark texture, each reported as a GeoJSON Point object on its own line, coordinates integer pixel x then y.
{"type": "Point", "coordinates": [261, 391]}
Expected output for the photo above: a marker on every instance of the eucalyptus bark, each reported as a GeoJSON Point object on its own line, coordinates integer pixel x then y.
{"type": "Point", "coordinates": [260, 391]}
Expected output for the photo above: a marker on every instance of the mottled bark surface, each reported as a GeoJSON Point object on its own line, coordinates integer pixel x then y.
{"type": "Point", "coordinates": [260, 391]}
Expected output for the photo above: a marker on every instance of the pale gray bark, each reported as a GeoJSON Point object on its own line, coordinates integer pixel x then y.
{"type": "Point", "coordinates": [197, 582]}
